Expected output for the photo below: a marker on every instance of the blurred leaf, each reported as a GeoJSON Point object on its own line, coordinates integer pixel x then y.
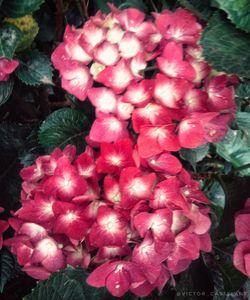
{"type": "Point", "coordinates": [217, 198]}
{"type": "Point", "coordinates": [194, 155]}
{"type": "Point", "coordinates": [235, 148]}
{"type": "Point", "coordinates": [238, 12]}
{"type": "Point", "coordinates": [243, 90]}
{"type": "Point", "coordinates": [6, 88]}
{"type": "Point", "coordinates": [35, 68]}
{"type": "Point", "coordinates": [9, 38]}
{"type": "Point", "coordinates": [225, 47]}
{"type": "Point", "coordinates": [102, 4]}
{"type": "Point", "coordinates": [7, 267]}
{"type": "Point", "coordinates": [243, 120]}
{"type": "Point", "coordinates": [232, 278]}
{"type": "Point", "coordinates": [19, 8]}
{"type": "Point", "coordinates": [69, 284]}
{"type": "Point", "coordinates": [201, 9]}
{"type": "Point", "coordinates": [64, 126]}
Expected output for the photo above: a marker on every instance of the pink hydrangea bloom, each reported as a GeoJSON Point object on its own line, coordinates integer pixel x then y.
{"type": "Point", "coordinates": [7, 67]}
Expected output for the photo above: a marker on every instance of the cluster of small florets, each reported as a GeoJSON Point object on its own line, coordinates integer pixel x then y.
{"type": "Point", "coordinates": [181, 103]}
{"type": "Point", "coordinates": [135, 222]}
{"type": "Point", "coordinates": [241, 257]}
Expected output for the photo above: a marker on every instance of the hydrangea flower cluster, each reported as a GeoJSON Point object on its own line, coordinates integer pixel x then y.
{"type": "Point", "coordinates": [147, 222]}
{"type": "Point", "coordinates": [7, 67]}
{"type": "Point", "coordinates": [241, 257]}
{"type": "Point", "coordinates": [182, 103]}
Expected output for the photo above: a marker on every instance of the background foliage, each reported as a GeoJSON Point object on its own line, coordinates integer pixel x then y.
{"type": "Point", "coordinates": [36, 116]}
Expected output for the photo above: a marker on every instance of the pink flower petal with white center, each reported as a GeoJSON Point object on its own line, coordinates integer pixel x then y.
{"type": "Point", "coordinates": [85, 165]}
{"type": "Point", "coordinates": [32, 173]}
{"type": "Point", "coordinates": [166, 194]}
{"type": "Point", "coordinates": [118, 282]}
{"type": "Point", "coordinates": [77, 256]}
{"type": "Point", "coordinates": [90, 212]}
{"type": "Point", "coordinates": [66, 183]}
{"type": "Point", "coordinates": [158, 222]}
{"type": "Point", "coordinates": [159, 137]}
{"type": "Point", "coordinates": [129, 18]}
{"type": "Point", "coordinates": [115, 157]}
{"type": "Point", "coordinates": [116, 77]}
{"type": "Point", "coordinates": [39, 273]}
{"type": "Point", "coordinates": [135, 186]}
{"type": "Point", "coordinates": [97, 278]}
{"type": "Point", "coordinates": [23, 254]}
{"type": "Point", "coordinates": [111, 252]}
{"type": "Point", "coordinates": [107, 54]}
{"type": "Point", "coordinates": [241, 257]}
{"type": "Point", "coordinates": [202, 70]}
{"type": "Point", "coordinates": [221, 94]}
{"type": "Point", "coordinates": [103, 99]}
{"type": "Point", "coordinates": [76, 80]}
{"type": "Point", "coordinates": [115, 34]}
{"type": "Point", "coordinates": [92, 34]}
{"type": "Point", "coordinates": [191, 133]}
{"type": "Point", "coordinates": [145, 255]}
{"type": "Point", "coordinates": [180, 26]}
{"type": "Point", "coordinates": [124, 110]}
{"type": "Point", "coordinates": [33, 231]}
{"type": "Point", "coordinates": [201, 222]}
{"type": "Point", "coordinates": [137, 65]}
{"type": "Point", "coordinates": [110, 229]}
{"type": "Point", "coordinates": [129, 45]}
{"type": "Point", "coordinates": [172, 64]}
{"type": "Point", "coordinates": [112, 190]}
{"type": "Point", "coordinates": [76, 52]}
{"type": "Point", "coordinates": [70, 220]}
{"type": "Point", "coordinates": [38, 211]}
{"type": "Point", "coordinates": [139, 94]}
{"type": "Point", "coordinates": [195, 101]}
{"type": "Point", "coordinates": [108, 128]}
{"type": "Point", "coordinates": [169, 91]}
{"type": "Point", "coordinates": [152, 113]}
{"type": "Point", "coordinates": [166, 163]}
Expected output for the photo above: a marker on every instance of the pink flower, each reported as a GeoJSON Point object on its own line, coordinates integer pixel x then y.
{"type": "Point", "coordinates": [3, 227]}
{"type": "Point", "coordinates": [7, 67]}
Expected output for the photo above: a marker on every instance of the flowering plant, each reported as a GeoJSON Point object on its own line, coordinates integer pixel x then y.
{"type": "Point", "coordinates": [130, 188]}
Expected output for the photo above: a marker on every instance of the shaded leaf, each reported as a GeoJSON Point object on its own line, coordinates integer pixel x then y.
{"type": "Point", "coordinates": [201, 9]}
{"type": "Point", "coordinates": [7, 267]}
{"type": "Point", "coordinates": [9, 37]}
{"type": "Point", "coordinates": [194, 155]}
{"type": "Point", "coordinates": [64, 126]}
{"type": "Point", "coordinates": [6, 88]}
{"type": "Point", "coordinates": [225, 47]}
{"type": "Point", "coordinates": [19, 8]}
{"type": "Point", "coordinates": [238, 11]}
{"type": "Point", "coordinates": [35, 68]}
{"type": "Point", "coordinates": [235, 148]}
{"type": "Point", "coordinates": [102, 4]}
{"type": "Point", "coordinates": [243, 90]}
{"type": "Point", "coordinates": [243, 120]}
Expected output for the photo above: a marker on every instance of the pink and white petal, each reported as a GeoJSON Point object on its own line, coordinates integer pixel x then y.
{"type": "Point", "coordinates": [103, 99]}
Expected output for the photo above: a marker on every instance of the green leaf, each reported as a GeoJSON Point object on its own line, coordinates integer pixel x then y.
{"type": "Point", "coordinates": [238, 12]}
{"type": "Point", "coordinates": [64, 126]}
{"type": "Point", "coordinates": [102, 4]}
{"type": "Point", "coordinates": [225, 47]}
{"type": "Point", "coordinates": [60, 285]}
{"type": "Point", "coordinates": [235, 148]}
{"type": "Point", "coordinates": [9, 37]}
{"type": "Point", "coordinates": [217, 198]}
{"type": "Point", "coordinates": [35, 68]}
{"type": "Point", "coordinates": [19, 8]}
{"type": "Point", "coordinates": [7, 267]}
{"type": "Point", "coordinates": [243, 90]}
{"type": "Point", "coordinates": [232, 278]}
{"type": "Point", "coordinates": [194, 155]}
{"type": "Point", "coordinates": [6, 88]}
{"type": "Point", "coordinates": [243, 120]}
{"type": "Point", "coordinates": [201, 9]}
{"type": "Point", "coordinates": [68, 284]}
